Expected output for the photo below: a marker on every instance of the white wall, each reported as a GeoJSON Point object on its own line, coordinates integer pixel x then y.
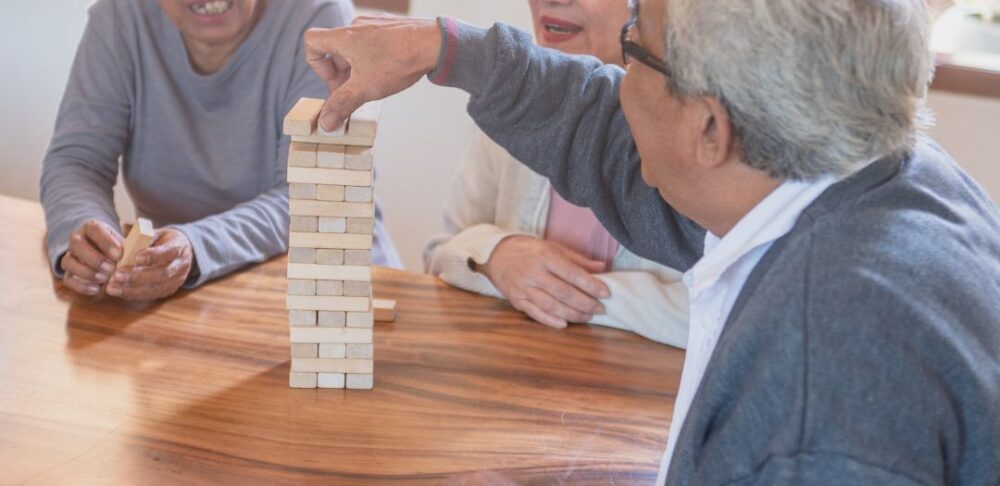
{"type": "Point", "coordinates": [424, 131]}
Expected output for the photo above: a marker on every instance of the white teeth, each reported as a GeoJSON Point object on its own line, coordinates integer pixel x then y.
{"type": "Point", "coordinates": [214, 7]}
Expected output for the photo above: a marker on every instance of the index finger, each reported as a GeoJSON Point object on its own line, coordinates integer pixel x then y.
{"type": "Point", "coordinates": [578, 277]}
{"type": "Point", "coordinates": [104, 239]}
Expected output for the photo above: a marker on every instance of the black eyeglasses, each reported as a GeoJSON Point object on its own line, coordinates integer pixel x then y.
{"type": "Point", "coordinates": [632, 50]}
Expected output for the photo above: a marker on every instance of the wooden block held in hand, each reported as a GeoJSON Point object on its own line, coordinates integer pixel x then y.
{"type": "Point", "coordinates": [384, 309]}
{"type": "Point", "coordinates": [139, 238]}
{"type": "Point", "coordinates": [301, 119]}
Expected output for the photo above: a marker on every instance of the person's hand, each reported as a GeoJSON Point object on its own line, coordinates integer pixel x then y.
{"type": "Point", "coordinates": [373, 58]}
{"type": "Point", "coordinates": [159, 270]}
{"type": "Point", "coordinates": [547, 281]}
{"type": "Point", "coordinates": [90, 259]}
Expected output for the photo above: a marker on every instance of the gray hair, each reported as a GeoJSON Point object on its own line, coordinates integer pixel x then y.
{"type": "Point", "coordinates": [813, 87]}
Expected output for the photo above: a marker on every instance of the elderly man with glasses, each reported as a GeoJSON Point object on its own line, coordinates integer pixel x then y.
{"type": "Point", "coordinates": [843, 271]}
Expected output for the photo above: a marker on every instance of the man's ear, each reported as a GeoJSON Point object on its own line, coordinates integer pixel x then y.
{"type": "Point", "coordinates": [715, 142]}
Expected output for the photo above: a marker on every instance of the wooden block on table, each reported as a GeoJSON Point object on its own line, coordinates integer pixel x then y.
{"type": "Point", "coordinates": [331, 156]}
{"type": "Point", "coordinates": [305, 350]}
{"type": "Point", "coordinates": [364, 120]}
{"type": "Point", "coordinates": [358, 194]}
{"type": "Point", "coordinates": [331, 380]}
{"type": "Point", "coordinates": [325, 335]}
{"type": "Point", "coordinates": [329, 287]}
{"type": "Point", "coordinates": [327, 192]}
{"type": "Point", "coordinates": [139, 238]}
{"type": "Point", "coordinates": [360, 381]}
{"type": "Point", "coordinates": [329, 257]}
{"type": "Point", "coordinates": [360, 351]}
{"type": "Point", "coordinates": [335, 177]}
{"type": "Point", "coordinates": [303, 255]}
{"type": "Point", "coordinates": [357, 288]}
{"type": "Point", "coordinates": [332, 319]}
{"type": "Point", "coordinates": [302, 154]}
{"type": "Point", "coordinates": [329, 209]}
{"type": "Point", "coordinates": [331, 241]}
{"type": "Point", "coordinates": [332, 225]}
{"type": "Point", "coordinates": [325, 365]}
{"type": "Point", "coordinates": [334, 350]}
{"type": "Point", "coordinates": [304, 224]}
{"type": "Point", "coordinates": [301, 317]}
{"type": "Point", "coordinates": [301, 287]}
{"type": "Point", "coordinates": [361, 320]}
{"type": "Point", "coordinates": [301, 380]}
{"type": "Point", "coordinates": [327, 303]}
{"type": "Point", "coordinates": [384, 310]}
{"type": "Point", "coordinates": [301, 119]}
{"type": "Point", "coordinates": [359, 158]}
{"type": "Point", "coordinates": [329, 272]}
{"type": "Point", "coordinates": [299, 190]}
{"type": "Point", "coordinates": [357, 257]}
{"type": "Point", "coordinates": [361, 226]}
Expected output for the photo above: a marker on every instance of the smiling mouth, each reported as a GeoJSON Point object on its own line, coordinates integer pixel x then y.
{"type": "Point", "coordinates": [214, 7]}
{"type": "Point", "coordinates": [559, 27]}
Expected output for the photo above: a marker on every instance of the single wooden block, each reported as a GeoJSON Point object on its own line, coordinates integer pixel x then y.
{"type": "Point", "coordinates": [301, 287]}
{"type": "Point", "coordinates": [305, 350]}
{"type": "Point", "coordinates": [358, 194]}
{"type": "Point", "coordinates": [332, 319]}
{"type": "Point", "coordinates": [360, 382]}
{"type": "Point", "coordinates": [351, 140]}
{"type": "Point", "coordinates": [357, 288]}
{"type": "Point", "coordinates": [332, 225]}
{"type": "Point", "coordinates": [359, 158]}
{"type": "Point", "coordinates": [364, 120]}
{"type": "Point", "coordinates": [304, 224]}
{"type": "Point", "coordinates": [331, 156]}
{"type": "Point", "coordinates": [324, 335]}
{"type": "Point", "coordinates": [303, 255]}
{"type": "Point", "coordinates": [331, 380]}
{"type": "Point", "coordinates": [361, 320]}
{"type": "Point", "coordinates": [330, 272]}
{"type": "Point", "coordinates": [301, 317]}
{"type": "Point", "coordinates": [324, 365]}
{"type": "Point", "coordinates": [138, 239]}
{"type": "Point", "coordinates": [384, 310]}
{"type": "Point", "coordinates": [336, 177]}
{"type": "Point", "coordinates": [327, 303]}
{"type": "Point", "coordinates": [301, 119]}
{"type": "Point", "coordinates": [357, 257]}
{"type": "Point", "coordinates": [327, 192]}
{"type": "Point", "coordinates": [301, 380]}
{"type": "Point", "coordinates": [329, 287]}
{"type": "Point", "coordinates": [331, 241]}
{"type": "Point", "coordinates": [298, 190]}
{"type": "Point", "coordinates": [302, 155]}
{"type": "Point", "coordinates": [360, 226]}
{"type": "Point", "coordinates": [334, 350]}
{"type": "Point", "coordinates": [329, 257]}
{"type": "Point", "coordinates": [302, 207]}
{"type": "Point", "coordinates": [360, 351]}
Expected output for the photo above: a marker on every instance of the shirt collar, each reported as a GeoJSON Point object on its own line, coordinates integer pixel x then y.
{"type": "Point", "coordinates": [769, 220]}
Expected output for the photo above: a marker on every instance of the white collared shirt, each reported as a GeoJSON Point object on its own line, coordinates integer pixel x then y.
{"type": "Point", "coordinates": [718, 278]}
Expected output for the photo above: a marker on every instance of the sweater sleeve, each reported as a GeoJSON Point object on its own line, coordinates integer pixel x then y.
{"type": "Point", "coordinates": [469, 219]}
{"type": "Point", "coordinates": [258, 229]}
{"type": "Point", "coordinates": [643, 303]}
{"type": "Point", "coordinates": [91, 130]}
{"type": "Point", "coordinates": [560, 116]}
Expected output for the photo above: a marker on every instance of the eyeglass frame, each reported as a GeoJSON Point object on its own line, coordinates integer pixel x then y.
{"type": "Point", "coordinates": [631, 49]}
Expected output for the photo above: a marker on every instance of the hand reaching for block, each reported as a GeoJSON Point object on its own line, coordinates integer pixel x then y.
{"type": "Point", "coordinates": [156, 272]}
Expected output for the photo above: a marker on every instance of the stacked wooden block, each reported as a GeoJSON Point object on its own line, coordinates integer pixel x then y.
{"type": "Point", "coordinates": [332, 208]}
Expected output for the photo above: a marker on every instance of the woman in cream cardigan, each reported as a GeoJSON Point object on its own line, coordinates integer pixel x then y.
{"type": "Point", "coordinates": [511, 236]}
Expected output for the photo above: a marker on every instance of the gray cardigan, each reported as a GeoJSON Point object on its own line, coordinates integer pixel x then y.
{"type": "Point", "coordinates": [865, 346]}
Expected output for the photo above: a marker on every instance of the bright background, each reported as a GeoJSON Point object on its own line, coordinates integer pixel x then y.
{"type": "Point", "coordinates": [424, 132]}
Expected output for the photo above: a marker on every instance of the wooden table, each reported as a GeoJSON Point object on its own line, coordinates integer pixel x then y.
{"type": "Point", "coordinates": [194, 390]}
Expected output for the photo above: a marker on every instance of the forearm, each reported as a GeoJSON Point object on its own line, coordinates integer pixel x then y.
{"type": "Point", "coordinates": [643, 304]}
{"type": "Point", "coordinates": [560, 116]}
{"type": "Point", "coordinates": [451, 257]}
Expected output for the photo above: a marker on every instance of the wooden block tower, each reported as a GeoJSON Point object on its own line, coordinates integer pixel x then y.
{"type": "Point", "coordinates": [332, 207]}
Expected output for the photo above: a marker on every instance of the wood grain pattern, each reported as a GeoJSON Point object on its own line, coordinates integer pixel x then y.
{"type": "Point", "coordinates": [194, 390]}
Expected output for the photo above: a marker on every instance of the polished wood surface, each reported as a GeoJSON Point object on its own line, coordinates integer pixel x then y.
{"type": "Point", "coordinates": [194, 390]}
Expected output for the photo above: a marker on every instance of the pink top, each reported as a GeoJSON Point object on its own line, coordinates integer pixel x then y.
{"type": "Point", "coordinates": [579, 230]}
